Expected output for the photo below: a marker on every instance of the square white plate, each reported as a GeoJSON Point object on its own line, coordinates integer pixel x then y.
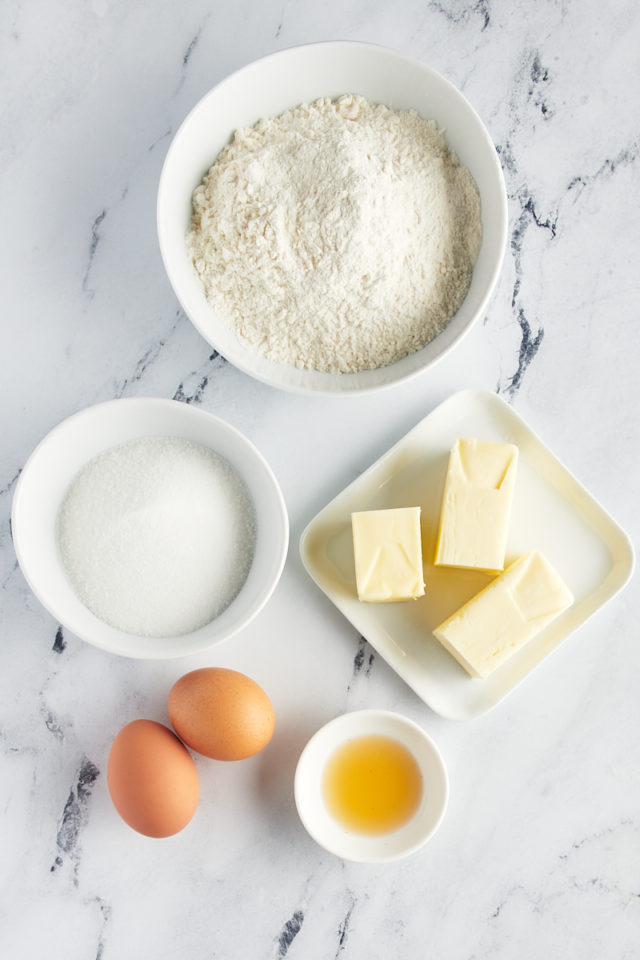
{"type": "Point", "coordinates": [551, 512]}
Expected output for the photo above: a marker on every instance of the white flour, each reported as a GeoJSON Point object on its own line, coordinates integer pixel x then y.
{"type": "Point", "coordinates": [339, 236]}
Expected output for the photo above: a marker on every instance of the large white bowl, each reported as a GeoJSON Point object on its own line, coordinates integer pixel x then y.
{"type": "Point", "coordinates": [361, 848]}
{"type": "Point", "coordinates": [302, 74]}
{"type": "Point", "coordinates": [73, 443]}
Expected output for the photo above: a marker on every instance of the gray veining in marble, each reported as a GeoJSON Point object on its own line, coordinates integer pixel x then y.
{"type": "Point", "coordinates": [539, 853]}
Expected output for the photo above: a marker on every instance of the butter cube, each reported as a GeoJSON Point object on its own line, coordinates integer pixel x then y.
{"type": "Point", "coordinates": [500, 619]}
{"type": "Point", "coordinates": [388, 554]}
{"type": "Point", "coordinates": [476, 504]}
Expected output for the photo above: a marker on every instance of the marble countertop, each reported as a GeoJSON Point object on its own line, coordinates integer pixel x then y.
{"type": "Point", "coordinates": [539, 852]}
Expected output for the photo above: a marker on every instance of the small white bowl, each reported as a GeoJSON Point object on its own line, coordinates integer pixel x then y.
{"type": "Point", "coordinates": [363, 848]}
{"type": "Point", "coordinates": [73, 443]}
{"type": "Point", "coordinates": [302, 74]}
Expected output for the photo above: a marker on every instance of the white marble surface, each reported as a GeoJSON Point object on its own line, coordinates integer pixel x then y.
{"type": "Point", "coordinates": [539, 853]}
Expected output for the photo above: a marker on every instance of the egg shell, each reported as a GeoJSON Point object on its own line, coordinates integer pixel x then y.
{"type": "Point", "coordinates": [152, 779]}
{"type": "Point", "coordinates": [221, 713]}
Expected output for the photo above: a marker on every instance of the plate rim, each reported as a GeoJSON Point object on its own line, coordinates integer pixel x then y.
{"type": "Point", "coordinates": [471, 395]}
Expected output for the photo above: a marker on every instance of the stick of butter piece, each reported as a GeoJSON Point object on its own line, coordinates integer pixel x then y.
{"type": "Point", "coordinates": [507, 613]}
{"type": "Point", "coordinates": [388, 554]}
{"type": "Point", "coordinates": [476, 504]}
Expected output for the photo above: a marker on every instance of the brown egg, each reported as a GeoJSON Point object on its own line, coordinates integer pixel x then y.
{"type": "Point", "coordinates": [221, 713]}
{"type": "Point", "coordinates": [152, 779]}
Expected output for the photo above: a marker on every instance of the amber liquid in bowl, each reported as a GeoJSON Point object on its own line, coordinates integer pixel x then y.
{"type": "Point", "coordinates": [372, 784]}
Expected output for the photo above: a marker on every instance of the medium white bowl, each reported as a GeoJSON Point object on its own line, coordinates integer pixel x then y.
{"type": "Point", "coordinates": [321, 825]}
{"type": "Point", "coordinates": [73, 443]}
{"type": "Point", "coordinates": [302, 74]}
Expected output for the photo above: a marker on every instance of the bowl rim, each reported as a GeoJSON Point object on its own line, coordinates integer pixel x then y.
{"type": "Point", "coordinates": [375, 848]}
{"type": "Point", "coordinates": [360, 382]}
{"type": "Point", "coordinates": [170, 647]}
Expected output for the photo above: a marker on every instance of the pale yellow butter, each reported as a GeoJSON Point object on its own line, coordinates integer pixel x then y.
{"type": "Point", "coordinates": [476, 505]}
{"type": "Point", "coordinates": [388, 554]}
{"type": "Point", "coordinates": [500, 619]}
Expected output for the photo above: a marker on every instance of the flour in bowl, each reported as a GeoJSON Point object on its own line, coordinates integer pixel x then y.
{"type": "Point", "coordinates": [338, 236]}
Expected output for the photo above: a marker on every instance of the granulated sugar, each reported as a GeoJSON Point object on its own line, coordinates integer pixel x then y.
{"type": "Point", "coordinates": [157, 536]}
{"type": "Point", "coordinates": [338, 236]}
